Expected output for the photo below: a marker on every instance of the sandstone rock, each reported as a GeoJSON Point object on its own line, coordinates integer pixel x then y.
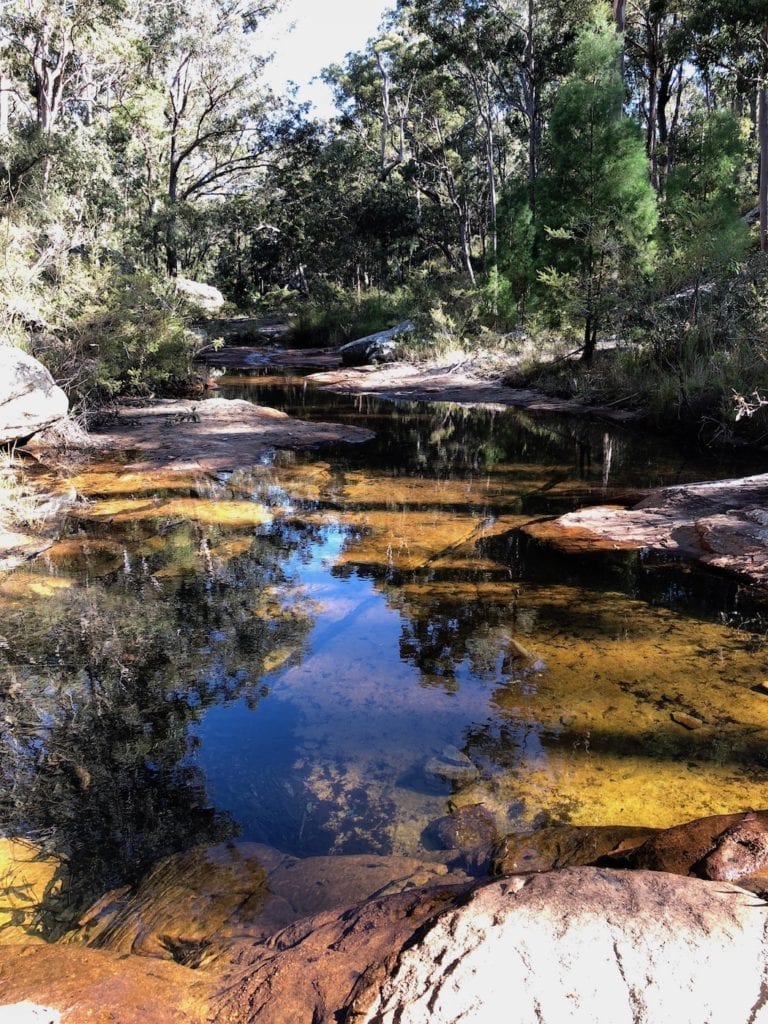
{"type": "Point", "coordinates": [382, 347]}
{"type": "Point", "coordinates": [29, 398]}
{"type": "Point", "coordinates": [717, 523]}
{"type": "Point", "coordinates": [582, 944]}
{"type": "Point", "coordinates": [690, 848]}
{"type": "Point", "coordinates": [214, 435]}
{"type": "Point", "coordinates": [204, 296]}
{"type": "Point", "coordinates": [193, 906]}
{"type": "Point", "coordinates": [564, 846]}
{"type": "Point", "coordinates": [80, 985]}
{"type": "Point", "coordinates": [453, 765]}
{"type": "Point", "coordinates": [307, 973]}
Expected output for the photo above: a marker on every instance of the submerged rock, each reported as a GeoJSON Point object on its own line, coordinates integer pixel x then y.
{"type": "Point", "coordinates": [452, 765]}
{"type": "Point", "coordinates": [562, 846]}
{"type": "Point", "coordinates": [193, 906]}
{"type": "Point", "coordinates": [30, 400]}
{"type": "Point", "coordinates": [467, 828]}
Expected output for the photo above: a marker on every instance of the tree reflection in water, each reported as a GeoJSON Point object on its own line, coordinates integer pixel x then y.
{"type": "Point", "coordinates": [102, 681]}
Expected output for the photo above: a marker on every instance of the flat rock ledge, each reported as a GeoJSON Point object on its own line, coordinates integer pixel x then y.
{"type": "Point", "coordinates": [214, 435]}
{"type": "Point", "coordinates": [721, 524]}
{"type": "Point", "coordinates": [452, 383]}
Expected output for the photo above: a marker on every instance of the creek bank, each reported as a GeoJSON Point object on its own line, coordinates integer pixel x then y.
{"type": "Point", "coordinates": [213, 436]}
{"type": "Point", "coordinates": [441, 382]}
{"type": "Point", "coordinates": [722, 525]}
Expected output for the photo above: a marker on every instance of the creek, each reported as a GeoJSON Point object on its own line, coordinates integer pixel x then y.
{"type": "Point", "coordinates": [328, 651]}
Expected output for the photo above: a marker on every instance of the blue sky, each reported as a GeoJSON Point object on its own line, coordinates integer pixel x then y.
{"type": "Point", "coordinates": [324, 31]}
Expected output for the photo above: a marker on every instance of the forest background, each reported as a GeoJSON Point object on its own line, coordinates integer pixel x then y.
{"type": "Point", "coordinates": [541, 178]}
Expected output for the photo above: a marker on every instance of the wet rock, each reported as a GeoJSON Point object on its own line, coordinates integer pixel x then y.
{"type": "Point", "coordinates": [717, 523]}
{"type": "Point", "coordinates": [30, 401]}
{"type": "Point", "coordinates": [560, 846]}
{"type": "Point", "coordinates": [192, 906]}
{"type": "Point", "coordinates": [739, 851]}
{"type": "Point", "coordinates": [732, 843]}
{"type": "Point", "coordinates": [452, 765]}
{"type": "Point", "coordinates": [465, 829]}
{"type": "Point", "coordinates": [381, 347]}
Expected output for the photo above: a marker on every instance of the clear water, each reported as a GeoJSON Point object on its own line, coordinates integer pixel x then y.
{"type": "Point", "coordinates": [327, 652]}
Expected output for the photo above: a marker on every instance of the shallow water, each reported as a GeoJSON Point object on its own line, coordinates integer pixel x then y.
{"type": "Point", "coordinates": [326, 652]}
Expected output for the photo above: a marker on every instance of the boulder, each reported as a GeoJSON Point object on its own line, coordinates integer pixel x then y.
{"type": "Point", "coordinates": [30, 401]}
{"type": "Point", "coordinates": [204, 296]}
{"type": "Point", "coordinates": [581, 944]}
{"type": "Point", "coordinates": [382, 347]}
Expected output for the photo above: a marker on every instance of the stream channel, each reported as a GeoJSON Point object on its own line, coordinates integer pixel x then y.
{"type": "Point", "coordinates": [327, 651]}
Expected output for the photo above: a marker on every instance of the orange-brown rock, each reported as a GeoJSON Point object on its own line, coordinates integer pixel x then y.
{"type": "Point", "coordinates": [562, 846]}
{"type": "Point", "coordinates": [722, 524]}
{"type": "Point", "coordinates": [730, 847]}
{"type": "Point", "coordinates": [86, 986]}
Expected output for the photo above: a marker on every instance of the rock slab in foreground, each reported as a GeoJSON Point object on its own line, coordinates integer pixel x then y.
{"type": "Point", "coordinates": [582, 945]}
{"type": "Point", "coordinates": [30, 401]}
{"type": "Point", "coordinates": [578, 945]}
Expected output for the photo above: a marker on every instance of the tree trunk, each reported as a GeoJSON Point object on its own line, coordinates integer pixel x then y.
{"type": "Point", "coordinates": [762, 126]}
{"type": "Point", "coordinates": [533, 113]}
{"type": "Point", "coordinates": [466, 252]}
{"type": "Point", "coordinates": [5, 104]}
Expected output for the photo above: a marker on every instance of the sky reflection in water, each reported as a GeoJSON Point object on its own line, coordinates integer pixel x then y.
{"type": "Point", "coordinates": [298, 646]}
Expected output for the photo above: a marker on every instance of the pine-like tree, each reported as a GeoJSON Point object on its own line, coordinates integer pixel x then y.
{"type": "Point", "coordinates": [598, 208]}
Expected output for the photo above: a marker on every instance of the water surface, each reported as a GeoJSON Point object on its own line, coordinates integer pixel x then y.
{"type": "Point", "coordinates": [303, 653]}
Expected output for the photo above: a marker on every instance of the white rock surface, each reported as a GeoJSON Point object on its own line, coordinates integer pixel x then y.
{"type": "Point", "coordinates": [205, 296]}
{"type": "Point", "coordinates": [30, 401]}
{"type": "Point", "coordinates": [584, 945]}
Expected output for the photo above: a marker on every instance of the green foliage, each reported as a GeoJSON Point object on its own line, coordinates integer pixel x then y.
{"type": "Point", "coordinates": [517, 238]}
{"type": "Point", "coordinates": [135, 324]}
{"type": "Point", "coordinates": [598, 209]}
{"type": "Point", "coordinates": [702, 231]}
{"type": "Point", "coordinates": [344, 316]}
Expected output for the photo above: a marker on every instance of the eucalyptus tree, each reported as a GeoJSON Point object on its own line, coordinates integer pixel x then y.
{"type": "Point", "coordinates": [733, 35]}
{"type": "Point", "coordinates": [659, 70]}
{"type": "Point", "coordinates": [204, 115]}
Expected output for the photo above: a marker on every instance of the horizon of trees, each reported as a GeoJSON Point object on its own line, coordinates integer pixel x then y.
{"type": "Point", "coordinates": [561, 160]}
